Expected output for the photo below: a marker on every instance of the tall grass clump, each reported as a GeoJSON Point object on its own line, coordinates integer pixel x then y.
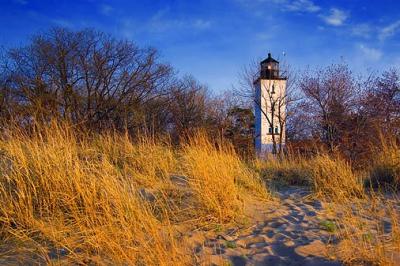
{"type": "Point", "coordinates": [146, 161]}
{"type": "Point", "coordinates": [334, 178]}
{"type": "Point", "coordinates": [286, 171]}
{"type": "Point", "coordinates": [369, 231]}
{"type": "Point", "coordinates": [76, 197]}
{"type": "Point", "coordinates": [385, 172]}
{"type": "Point", "coordinates": [328, 176]}
{"type": "Point", "coordinates": [218, 178]}
{"type": "Point", "coordinates": [71, 198]}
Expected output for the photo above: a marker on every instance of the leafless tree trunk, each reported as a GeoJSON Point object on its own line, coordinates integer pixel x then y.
{"type": "Point", "coordinates": [329, 99]}
{"type": "Point", "coordinates": [86, 77]}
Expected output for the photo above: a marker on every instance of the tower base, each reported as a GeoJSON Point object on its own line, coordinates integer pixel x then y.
{"type": "Point", "coordinates": [264, 150]}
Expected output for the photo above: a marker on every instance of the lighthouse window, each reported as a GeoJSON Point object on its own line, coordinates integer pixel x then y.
{"type": "Point", "coordinates": [270, 130]}
{"type": "Point", "coordinates": [276, 130]}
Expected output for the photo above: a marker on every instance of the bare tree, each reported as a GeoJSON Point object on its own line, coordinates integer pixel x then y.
{"type": "Point", "coordinates": [188, 106]}
{"type": "Point", "coordinates": [382, 102]}
{"type": "Point", "coordinates": [329, 99]}
{"type": "Point", "coordinates": [85, 77]}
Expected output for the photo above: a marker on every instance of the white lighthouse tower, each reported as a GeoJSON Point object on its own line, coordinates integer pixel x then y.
{"type": "Point", "coordinates": [270, 108]}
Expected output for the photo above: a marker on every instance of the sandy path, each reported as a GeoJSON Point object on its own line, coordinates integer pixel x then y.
{"type": "Point", "coordinates": [291, 235]}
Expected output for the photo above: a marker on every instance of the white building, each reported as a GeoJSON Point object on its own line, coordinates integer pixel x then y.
{"type": "Point", "coordinates": [269, 107]}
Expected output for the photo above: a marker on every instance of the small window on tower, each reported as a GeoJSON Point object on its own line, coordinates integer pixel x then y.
{"type": "Point", "coordinates": [270, 130]}
{"type": "Point", "coordinates": [276, 130]}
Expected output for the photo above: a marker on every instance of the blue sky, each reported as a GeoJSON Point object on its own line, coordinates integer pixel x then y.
{"type": "Point", "coordinates": [214, 39]}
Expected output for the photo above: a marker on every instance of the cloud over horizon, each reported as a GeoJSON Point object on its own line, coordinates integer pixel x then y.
{"type": "Point", "coordinates": [371, 54]}
{"type": "Point", "coordinates": [336, 17]}
{"type": "Point", "coordinates": [213, 39]}
{"type": "Point", "coordinates": [389, 30]}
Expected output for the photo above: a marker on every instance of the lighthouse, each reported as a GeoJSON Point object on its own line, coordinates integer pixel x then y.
{"type": "Point", "coordinates": [270, 108]}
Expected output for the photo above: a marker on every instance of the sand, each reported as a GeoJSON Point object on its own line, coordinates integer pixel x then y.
{"type": "Point", "coordinates": [290, 234]}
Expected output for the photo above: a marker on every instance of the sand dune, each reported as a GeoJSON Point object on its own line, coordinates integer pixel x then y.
{"type": "Point", "coordinates": [296, 231]}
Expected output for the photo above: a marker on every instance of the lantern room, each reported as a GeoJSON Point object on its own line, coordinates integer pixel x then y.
{"type": "Point", "coordinates": [269, 68]}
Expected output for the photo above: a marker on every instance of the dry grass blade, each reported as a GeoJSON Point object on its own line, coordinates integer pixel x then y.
{"type": "Point", "coordinates": [74, 197]}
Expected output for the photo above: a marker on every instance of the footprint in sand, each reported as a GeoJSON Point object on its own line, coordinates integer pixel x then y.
{"type": "Point", "coordinates": [291, 236]}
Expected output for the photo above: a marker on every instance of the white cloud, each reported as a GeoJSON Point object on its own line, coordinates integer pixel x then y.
{"type": "Point", "coordinates": [163, 21]}
{"type": "Point", "coordinates": [285, 5]}
{"type": "Point", "coordinates": [362, 30]}
{"type": "Point", "coordinates": [336, 17]}
{"type": "Point", "coordinates": [106, 9]}
{"type": "Point", "coordinates": [371, 54]}
{"type": "Point", "coordinates": [389, 30]}
{"type": "Point", "coordinates": [302, 6]}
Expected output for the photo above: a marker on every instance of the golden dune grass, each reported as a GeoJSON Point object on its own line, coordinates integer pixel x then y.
{"type": "Point", "coordinates": [369, 231]}
{"type": "Point", "coordinates": [385, 170]}
{"type": "Point", "coordinates": [367, 222]}
{"type": "Point", "coordinates": [219, 178]}
{"type": "Point", "coordinates": [289, 171]}
{"type": "Point", "coordinates": [328, 176]}
{"type": "Point", "coordinates": [72, 197]}
{"type": "Point", "coordinates": [370, 227]}
{"type": "Point", "coordinates": [69, 196]}
{"type": "Point", "coordinates": [334, 179]}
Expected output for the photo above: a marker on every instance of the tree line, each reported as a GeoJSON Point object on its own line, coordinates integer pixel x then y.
{"type": "Point", "coordinates": [345, 113]}
{"type": "Point", "coordinates": [91, 79]}
{"type": "Point", "coordinates": [99, 82]}
{"type": "Point", "coordinates": [330, 109]}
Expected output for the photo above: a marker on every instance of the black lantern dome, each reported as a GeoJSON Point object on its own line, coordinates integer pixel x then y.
{"type": "Point", "coordinates": [269, 68]}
